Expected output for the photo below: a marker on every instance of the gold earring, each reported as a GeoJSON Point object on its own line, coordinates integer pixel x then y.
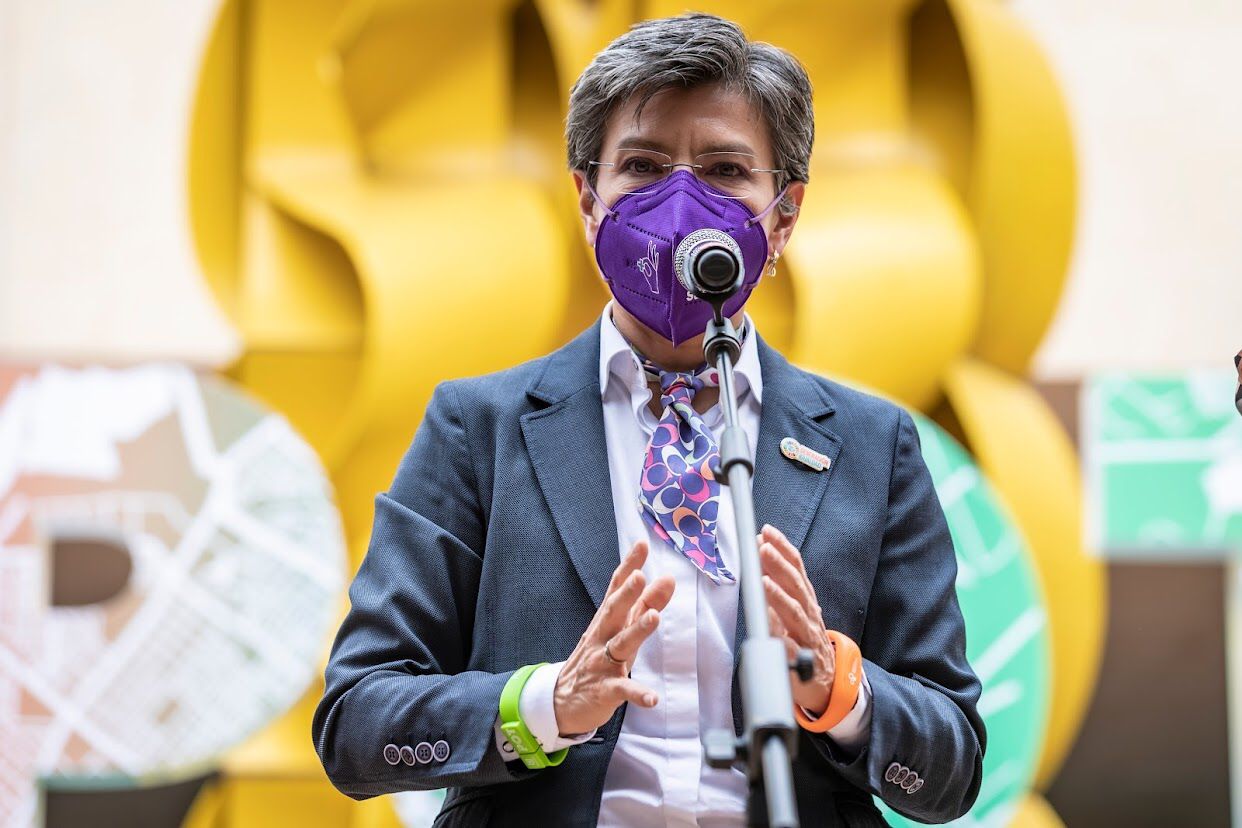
{"type": "Point", "coordinates": [772, 262]}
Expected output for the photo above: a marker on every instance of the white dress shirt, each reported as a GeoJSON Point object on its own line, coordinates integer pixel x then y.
{"type": "Point", "coordinates": [657, 774]}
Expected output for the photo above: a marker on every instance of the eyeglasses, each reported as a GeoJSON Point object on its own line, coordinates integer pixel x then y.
{"type": "Point", "coordinates": [734, 175]}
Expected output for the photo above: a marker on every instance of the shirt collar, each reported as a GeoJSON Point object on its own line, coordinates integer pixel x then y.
{"type": "Point", "coordinates": [617, 359]}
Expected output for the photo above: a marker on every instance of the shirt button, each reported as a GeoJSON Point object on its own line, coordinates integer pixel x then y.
{"type": "Point", "coordinates": [407, 755]}
{"type": "Point", "coordinates": [423, 752]}
{"type": "Point", "coordinates": [440, 750]}
{"type": "Point", "coordinates": [392, 754]}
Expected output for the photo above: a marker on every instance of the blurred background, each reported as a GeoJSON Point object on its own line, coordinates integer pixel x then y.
{"type": "Point", "coordinates": [241, 240]}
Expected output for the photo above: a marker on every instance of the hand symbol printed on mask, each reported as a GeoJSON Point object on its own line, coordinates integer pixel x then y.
{"type": "Point", "coordinates": [650, 266]}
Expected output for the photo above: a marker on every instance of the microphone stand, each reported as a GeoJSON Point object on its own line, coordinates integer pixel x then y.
{"type": "Point", "coordinates": [769, 737]}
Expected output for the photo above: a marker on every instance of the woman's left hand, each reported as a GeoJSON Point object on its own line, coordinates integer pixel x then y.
{"type": "Point", "coordinates": [794, 616]}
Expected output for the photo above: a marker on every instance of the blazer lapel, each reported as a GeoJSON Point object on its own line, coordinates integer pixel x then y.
{"type": "Point", "coordinates": [569, 452]}
{"type": "Point", "coordinates": [787, 494]}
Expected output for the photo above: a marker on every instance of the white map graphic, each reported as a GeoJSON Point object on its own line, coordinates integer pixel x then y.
{"type": "Point", "coordinates": [238, 564]}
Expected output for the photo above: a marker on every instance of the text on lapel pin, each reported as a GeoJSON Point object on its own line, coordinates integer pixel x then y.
{"type": "Point", "coordinates": [794, 450]}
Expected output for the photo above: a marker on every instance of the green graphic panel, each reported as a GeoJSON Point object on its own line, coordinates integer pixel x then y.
{"type": "Point", "coordinates": [1006, 629]}
{"type": "Point", "coordinates": [1163, 463]}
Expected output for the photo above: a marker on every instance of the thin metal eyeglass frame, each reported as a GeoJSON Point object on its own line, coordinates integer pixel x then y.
{"type": "Point", "coordinates": [668, 168]}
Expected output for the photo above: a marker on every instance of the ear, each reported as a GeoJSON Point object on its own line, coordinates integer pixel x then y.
{"type": "Point", "coordinates": [783, 225]}
{"type": "Point", "coordinates": [588, 208]}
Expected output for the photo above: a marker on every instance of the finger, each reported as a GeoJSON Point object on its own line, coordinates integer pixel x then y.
{"type": "Point", "coordinates": [791, 651]}
{"type": "Point", "coordinates": [791, 613]}
{"type": "Point", "coordinates": [777, 629]}
{"type": "Point", "coordinates": [656, 596]}
{"type": "Point", "coordinates": [783, 545]}
{"type": "Point", "coordinates": [797, 625]}
{"type": "Point", "coordinates": [776, 625]}
{"type": "Point", "coordinates": [784, 573]}
{"type": "Point", "coordinates": [791, 553]}
{"type": "Point", "coordinates": [616, 607]}
{"type": "Point", "coordinates": [624, 645]}
{"type": "Point", "coordinates": [626, 689]}
{"type": "Point", "coordinates": [633, 560]}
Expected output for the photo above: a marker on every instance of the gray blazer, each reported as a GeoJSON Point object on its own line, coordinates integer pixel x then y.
{"type": "Point", "coordinates": [496, 541]}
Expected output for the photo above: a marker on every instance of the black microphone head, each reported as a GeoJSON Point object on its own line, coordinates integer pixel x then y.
{"type": "Point", "coordinates": [708, 263]}
{"type": "Point", "coordinates": [715, 268]}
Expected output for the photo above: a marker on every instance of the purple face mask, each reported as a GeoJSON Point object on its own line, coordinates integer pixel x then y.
{"type": "Point", "coordinates": [635, 243]}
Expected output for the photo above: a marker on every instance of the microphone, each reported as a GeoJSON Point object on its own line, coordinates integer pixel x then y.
{"type": "Point", "coordinates": [708, 263]}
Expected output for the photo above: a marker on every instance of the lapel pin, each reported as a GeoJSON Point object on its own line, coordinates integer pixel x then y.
{"type": "Point", "coordinates": [794, 450]}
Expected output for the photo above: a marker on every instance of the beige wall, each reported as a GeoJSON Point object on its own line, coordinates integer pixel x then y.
{"type": "Point", "coordinates": [95, 257]}
{"type": "Point", "coordinates": [1156, 277]}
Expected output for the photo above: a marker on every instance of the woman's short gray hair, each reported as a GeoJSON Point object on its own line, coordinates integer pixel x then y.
{"type": "Point", "coordinates": [686, 51]}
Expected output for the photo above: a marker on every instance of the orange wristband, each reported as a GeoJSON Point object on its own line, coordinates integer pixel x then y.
{"type": "Point", "coordinates": [845, 685]}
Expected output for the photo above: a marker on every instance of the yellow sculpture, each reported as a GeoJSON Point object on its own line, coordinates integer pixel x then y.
{"type": "Point", "coordinates": [362, 173]}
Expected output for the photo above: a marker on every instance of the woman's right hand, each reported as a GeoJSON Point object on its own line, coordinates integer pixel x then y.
{"type": "Point", "coordinates": [591, 686]}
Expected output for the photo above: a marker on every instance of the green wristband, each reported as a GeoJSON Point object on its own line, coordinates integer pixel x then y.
{"type": "Point", "coordinates": [523, 741]}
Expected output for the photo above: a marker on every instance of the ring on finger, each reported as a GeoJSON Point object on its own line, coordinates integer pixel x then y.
{"type": "Point", "coordinates": [608, 653]}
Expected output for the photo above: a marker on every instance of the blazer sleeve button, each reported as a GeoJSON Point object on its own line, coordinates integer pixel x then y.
{"type": "Point", "coordinates": [392, 754]}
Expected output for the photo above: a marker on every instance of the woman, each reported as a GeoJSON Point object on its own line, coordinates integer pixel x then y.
{"type": "Point", "coordinates": [546, 619]}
